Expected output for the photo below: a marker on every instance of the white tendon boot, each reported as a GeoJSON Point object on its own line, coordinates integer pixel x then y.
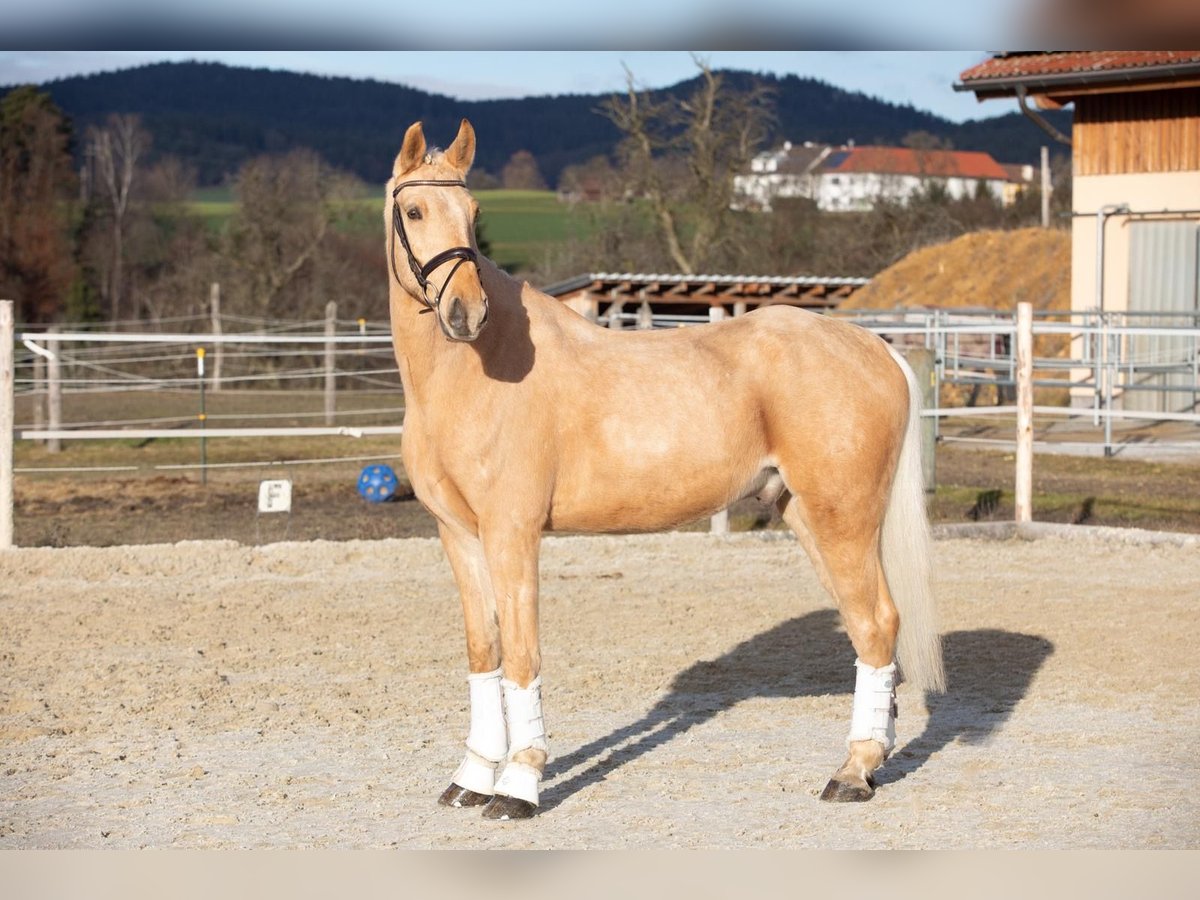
{"type": "Point", "coordinates": [874, 715]}
{"type": "Point", "coordinates": [526, 731]}
{"type": "Point", "coordinates": [487, 741]}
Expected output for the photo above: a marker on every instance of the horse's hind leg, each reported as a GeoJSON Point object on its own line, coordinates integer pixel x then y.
{"type": "Point", "coordinates": [845, 554]}
{"type": "Point", "coordinates": [474, 782]}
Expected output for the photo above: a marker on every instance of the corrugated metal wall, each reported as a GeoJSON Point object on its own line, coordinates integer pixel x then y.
{"type": "Point", "coordinates": [1164, 278]}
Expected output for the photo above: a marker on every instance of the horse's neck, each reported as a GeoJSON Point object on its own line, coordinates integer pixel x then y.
{"type": "Point", "coordinates": [417, 339]}
{"type": "Point", "coordinates": [421, 346]}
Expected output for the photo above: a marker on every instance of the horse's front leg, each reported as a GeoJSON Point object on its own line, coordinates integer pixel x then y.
{"type": "Point", "coordinates": [512, 559]}
{"type": "Point", "coordinates": [474, 783]}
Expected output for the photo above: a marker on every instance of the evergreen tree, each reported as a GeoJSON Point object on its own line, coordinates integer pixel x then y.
{"type": "Point", "coordinates": [37, 185]}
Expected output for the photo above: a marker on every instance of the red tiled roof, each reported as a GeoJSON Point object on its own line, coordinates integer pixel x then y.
{"type": "Point", "coordinates": [1081, 62]}
{"type": "Point", "coordinates": [905, 161]}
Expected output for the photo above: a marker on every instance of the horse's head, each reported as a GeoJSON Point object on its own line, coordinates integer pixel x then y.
{"type": "Point", "coordinates": [432, 218]}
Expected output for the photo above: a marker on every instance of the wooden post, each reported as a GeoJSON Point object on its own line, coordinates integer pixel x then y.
{"type": "Point", "coordinates": [1024, 475]}
{"type": "Point", "coordinates": [54, 390]}
{"type": "Point", "coordinates": [645, 319]}
{"type": "Point", "coordinates": [719, 523]}
{"type": "Point", "coordinates": [923, 366]}
{"type": "Point", "coordinates": [330, 376]}
{"type": "Point", "coordinates": [214, 308]}
{"type": "Point", "coordinates": [7, 335]}
{"type": "Point", "coordinates": [1046, 187]}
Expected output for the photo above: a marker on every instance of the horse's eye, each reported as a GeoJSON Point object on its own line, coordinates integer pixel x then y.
{"type": "Point", "coordinates": [413, 213]}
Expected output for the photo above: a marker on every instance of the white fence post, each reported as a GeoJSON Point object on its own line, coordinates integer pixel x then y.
{"type": "Point", "coordinates": [7, 334]}
{"type": "Point", "coordinates": [214, 308]}
{"type": "Point", "coordinates": [1023, 487]}
{"type": "Point", "coordinates": [330, 376]}
{"type": "Point", "coordinates": [39, 393]}
{"type": "Point", "coordinates": [54, 390]}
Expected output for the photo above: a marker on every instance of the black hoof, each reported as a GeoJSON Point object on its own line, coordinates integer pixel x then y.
{"type": "Point", "coordinates": [503, 808]}
{"type": "Point", "coordinates": [460, 797]}
{"type": "Point", "coordinates": [848, 791]}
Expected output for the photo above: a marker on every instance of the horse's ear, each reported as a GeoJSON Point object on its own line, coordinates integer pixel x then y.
{"type": "Point", "coordinates": [461, 153]}
{"type": "Point", "coordinates": [412, 151]}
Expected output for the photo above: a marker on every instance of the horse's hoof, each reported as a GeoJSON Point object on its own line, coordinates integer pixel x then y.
{"type": "Point", "coordinates": [460, 797]}
{"type": "Point", "coordinates": [502, 808]}
{"type": "Point", "coordinates": [848, 791]}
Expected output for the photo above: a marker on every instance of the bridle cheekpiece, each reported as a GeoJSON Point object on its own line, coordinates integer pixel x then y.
{"type": "Point", "coordinates": [422, 272]}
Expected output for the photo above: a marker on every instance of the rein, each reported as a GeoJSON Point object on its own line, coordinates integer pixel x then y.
{"type": "Point", "coordinates": [422, 272]}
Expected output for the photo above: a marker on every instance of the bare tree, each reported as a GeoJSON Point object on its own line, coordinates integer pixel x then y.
{"type": "Point", "coordinates": [681, 155]}
{"type": "Point", "coordinates": [116, 150]}
{"type": "Point", "coordinates": [593, 180]}
{"type": "Point", "coordinates": [170, 259]}
{"type": "Point", "coordinates": [521, 173]}
{"type": "Point", "coordinates": [286, 205]}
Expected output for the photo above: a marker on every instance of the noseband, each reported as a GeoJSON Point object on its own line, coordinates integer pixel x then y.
{"type": "Point", "coordinates": [422, 272]}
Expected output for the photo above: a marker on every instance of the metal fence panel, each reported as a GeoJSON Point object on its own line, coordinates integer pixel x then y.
{"type": "Point", "coordinates": [1164, 278]}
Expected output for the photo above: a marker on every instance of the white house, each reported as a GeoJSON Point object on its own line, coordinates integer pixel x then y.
{"type": "Point", "coordinates": [786, 172]}
{"type": "Point", "coordinates": [843, 179]}
{"type": "Point", "coordinates": [855, 178]}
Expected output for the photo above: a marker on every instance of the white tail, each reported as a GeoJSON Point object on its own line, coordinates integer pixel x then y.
{"type": "Point", "coordinates": [905, 552]}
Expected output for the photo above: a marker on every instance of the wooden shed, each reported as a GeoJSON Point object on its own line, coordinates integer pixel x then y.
{"type": "Point", "coordinates": [1135, 227]}
{"type": "Point", "coordinates": [630, 298]}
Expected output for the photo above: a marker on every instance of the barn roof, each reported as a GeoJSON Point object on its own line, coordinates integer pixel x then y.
{"type": "Point", "coordinates": [1047, 72]}
{"type": "Point", "coordinates": [799, 290]}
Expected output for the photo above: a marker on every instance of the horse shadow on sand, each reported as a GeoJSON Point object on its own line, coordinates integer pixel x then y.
{"type": "Point", "coordinates": [988, 672]}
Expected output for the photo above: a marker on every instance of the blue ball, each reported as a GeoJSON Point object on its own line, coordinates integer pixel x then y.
{"type": "Point", "coordinates": [377, 483]}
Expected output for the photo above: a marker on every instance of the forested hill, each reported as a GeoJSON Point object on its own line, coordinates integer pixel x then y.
{"type": "Point", "coordinates": [215, 117]}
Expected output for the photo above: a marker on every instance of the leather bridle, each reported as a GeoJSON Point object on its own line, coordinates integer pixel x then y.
{"type": "Point", "coordinates": [422, 272]}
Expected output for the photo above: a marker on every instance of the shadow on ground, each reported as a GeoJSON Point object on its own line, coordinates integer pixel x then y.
{"type": "Point", "coordinates": [989, 671]}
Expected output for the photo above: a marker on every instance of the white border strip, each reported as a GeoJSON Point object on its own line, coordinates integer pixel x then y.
{"type": "Point", "coordinates": [117, 434]}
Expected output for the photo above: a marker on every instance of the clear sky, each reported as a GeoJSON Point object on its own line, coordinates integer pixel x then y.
{"type": "Point", "coordinates": [922, 78]}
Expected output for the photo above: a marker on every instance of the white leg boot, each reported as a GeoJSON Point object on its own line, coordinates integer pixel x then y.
{"type": "Point", "coordinates": [872, 734]}
{"type": "Point", "coordinates": [874, 714]}
{"type": "Point", "coordinates": [526, 731]}
{"type": "Point", "coordinates": [487, 741]}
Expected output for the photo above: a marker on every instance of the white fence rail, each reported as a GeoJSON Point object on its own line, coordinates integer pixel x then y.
{"type": "Point", "coordinates": [1106, 364]}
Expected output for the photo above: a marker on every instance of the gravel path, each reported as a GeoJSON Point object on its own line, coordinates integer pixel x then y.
{"type": "Point", "coordinates": [210, 694]}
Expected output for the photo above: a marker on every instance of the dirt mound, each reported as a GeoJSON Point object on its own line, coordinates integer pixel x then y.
{"type": "Point", "coordinates": [983, 269]}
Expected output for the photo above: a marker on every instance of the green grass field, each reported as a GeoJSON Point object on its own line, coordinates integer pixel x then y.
{"type": "Point", "coordinates": [520, 225]}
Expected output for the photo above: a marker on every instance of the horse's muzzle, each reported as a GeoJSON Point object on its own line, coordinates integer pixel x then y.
{"type": "Point", "coordinates": [461, 323]}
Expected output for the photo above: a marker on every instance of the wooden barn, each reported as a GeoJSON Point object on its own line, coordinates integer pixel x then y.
{"type": "Point", "coordinates": [1135, 147]}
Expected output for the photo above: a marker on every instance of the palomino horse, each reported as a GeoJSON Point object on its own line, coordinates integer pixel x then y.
{"type": "Point", "coordinates": [543, 420]}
